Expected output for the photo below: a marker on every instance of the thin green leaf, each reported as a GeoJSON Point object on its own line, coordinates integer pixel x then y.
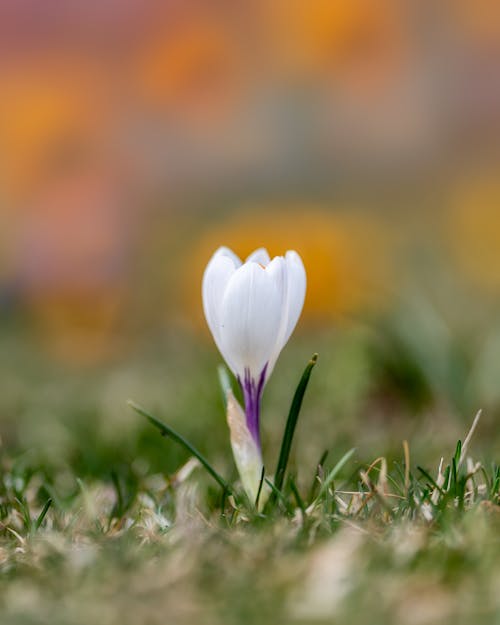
{"type": "Point", "coordinates": [433, 482]}
{"type": "Point", "coordinates": [278, 495]}
{"type": "Point", "coordinates": [334, 472]}
{"type": "Point", "coordinates": [297, 496]}
{"type": "Point", "coordinates": [42, 514]}
{"type": "Point", "coordinates": [317, 474]}
{"type": "Point", "coordinates": [178, 438]}
{"type": "Point", "coordinates": [25, 512]}
{"type": "Point", "coordinates": [118, 507]}
{"type": "Point", "coordinates": [446, 481]}
{"type": "Point", "coordinates": [454, 475]}
{"type": "Point", "coordinates": [291, 423]}
{"type": "Point", "coordinates": [262, 475]}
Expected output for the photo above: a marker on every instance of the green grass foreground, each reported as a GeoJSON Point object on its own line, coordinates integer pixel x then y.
{"type": "Point", "coordinates": [104, 521]}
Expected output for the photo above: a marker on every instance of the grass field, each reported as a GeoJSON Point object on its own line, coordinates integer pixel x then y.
{"type": "Point", "coordinates": [104, 521]}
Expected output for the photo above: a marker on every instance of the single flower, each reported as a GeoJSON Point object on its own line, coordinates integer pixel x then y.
{"type": "Point", "coordinates": [251, 309]}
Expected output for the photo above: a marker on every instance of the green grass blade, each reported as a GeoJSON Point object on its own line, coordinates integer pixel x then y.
{"type": "Point", "coordinates": [432, 481]}
{"type": "Point", "coordinates": [42, 514]}
{"type": "Point", "coordinates": [454, 476]}
{"type": "Point", "coordinates": [178, 438]}
{"type": "Point", "coordinates": [262, 475]}
{"type": "Point", "coordinates": [291, 423]}
{"type": "Point", "coordinates": [278, 495]}
{"type": "Point", "coordinates": [334, 472]}
{"type": "Point", "coordinates": [298, 498]}
{"type": "Point", "coordinates": [319, 470]}
{"type": "Point", "coordinates": [118, 507]}
{"type": "Point", "coordinates": [446, 481]}
{"type": "Point", "coordinates": [25, 512]}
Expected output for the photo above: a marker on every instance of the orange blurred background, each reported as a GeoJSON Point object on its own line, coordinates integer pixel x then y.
{"type": "Point", "coordinates": [137, 136]}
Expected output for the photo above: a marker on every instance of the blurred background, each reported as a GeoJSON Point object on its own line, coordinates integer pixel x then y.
{"type": "Point", "coordinates": [136, 136]}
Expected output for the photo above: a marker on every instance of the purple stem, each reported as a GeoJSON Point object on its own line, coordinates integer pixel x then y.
{"type": "Point", "coordinates": [252, 395]}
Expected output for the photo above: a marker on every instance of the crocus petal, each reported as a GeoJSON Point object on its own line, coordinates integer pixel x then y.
{"type": "Point", "coordinates": [217, 273]}
{"type": "Point", "coordinates": [251, 316]}
{"type": "Point", "coordinates": [215, 279]}
{"type": "Point", "coordinates": [260, 256]}
{"type": "Point", "coordinates": [295, 293]}
{"type": "Point", "coordinates": [225, 251]}
{"type": "Point", "coordinates": [293, 277]}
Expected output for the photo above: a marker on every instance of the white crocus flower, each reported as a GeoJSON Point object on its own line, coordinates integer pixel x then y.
{"type": "Point", "coordinates": [251, 309]}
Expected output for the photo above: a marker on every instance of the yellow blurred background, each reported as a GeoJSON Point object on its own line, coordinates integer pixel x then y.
{"type": "Point", "coordinates": [138, 136]}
